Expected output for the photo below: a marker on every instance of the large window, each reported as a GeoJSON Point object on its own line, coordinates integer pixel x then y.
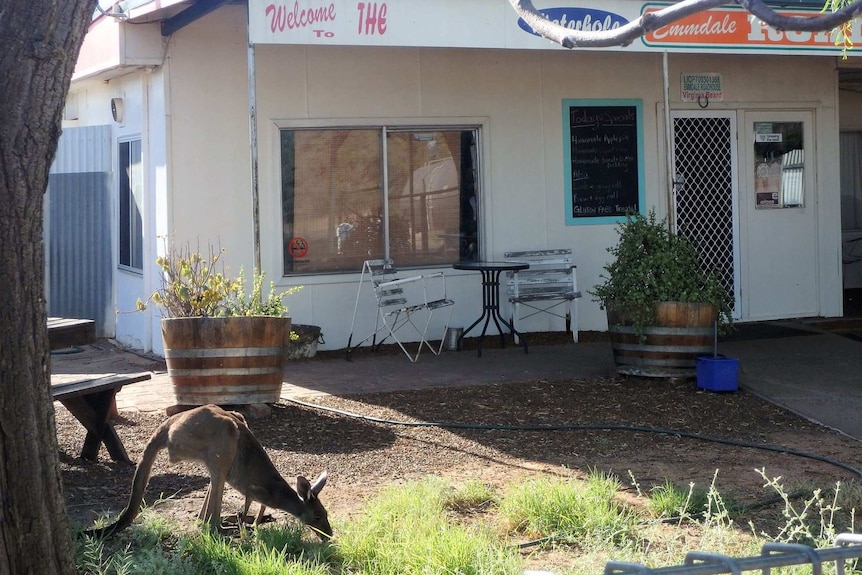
{"type": "Point", "coordinates": [354, 194]}
{"type": "Point", "coordinates": [131, 197]}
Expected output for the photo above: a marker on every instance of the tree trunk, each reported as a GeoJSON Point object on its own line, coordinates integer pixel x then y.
{"type": "Point", "coordinates": [41, 40]}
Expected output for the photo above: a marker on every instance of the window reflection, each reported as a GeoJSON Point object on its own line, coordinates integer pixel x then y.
{"type": "Point", "coordinates": [779, 161]}
{"type": "Point", "coordinates": [365, 193]}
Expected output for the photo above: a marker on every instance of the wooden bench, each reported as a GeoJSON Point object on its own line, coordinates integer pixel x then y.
{"type": "Point", "coordinates": [551, 281]}
{"type": "Point", "coordinates": [90, 401]}
{"type": "Point", "coordinates": [66, 332]}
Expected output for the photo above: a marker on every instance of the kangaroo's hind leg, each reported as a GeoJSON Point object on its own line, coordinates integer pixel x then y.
{"type": "Point", "coordinates": [219, 462]}
{"type": "Point", "coordinates": [203, 512]}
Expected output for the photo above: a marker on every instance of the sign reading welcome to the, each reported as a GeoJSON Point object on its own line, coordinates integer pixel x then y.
{"type": "Point", "coordinates": [494, 24]}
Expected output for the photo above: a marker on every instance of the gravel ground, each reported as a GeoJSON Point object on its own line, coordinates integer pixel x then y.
{"type": "Point", "coordinates": [652, 430]}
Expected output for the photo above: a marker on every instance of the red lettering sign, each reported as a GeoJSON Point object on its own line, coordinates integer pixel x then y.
{"type": "Point", "coordinates": [372, 18]}
{"type": "Point", "coordinates": [280, 17]}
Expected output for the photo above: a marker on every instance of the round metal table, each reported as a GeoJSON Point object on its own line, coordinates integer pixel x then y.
{"type": "Point", "coordinates": [491, 299]}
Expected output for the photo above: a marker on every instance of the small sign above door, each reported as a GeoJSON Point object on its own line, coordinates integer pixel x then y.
{"type": "Point", "coordinates": [703, 87]}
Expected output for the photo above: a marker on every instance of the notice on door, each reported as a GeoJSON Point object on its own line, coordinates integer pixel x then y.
{"type": "Point", "coordinates": [603, 155]}
{"type": "Point", "coordinates": [779, 165]}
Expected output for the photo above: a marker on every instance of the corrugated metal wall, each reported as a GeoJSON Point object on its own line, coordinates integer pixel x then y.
{"type": "Point", "coordinates": [78, 229]}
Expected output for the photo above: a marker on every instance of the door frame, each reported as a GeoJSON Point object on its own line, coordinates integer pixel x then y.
{"type": "Point", "coordinates": [733, 117]}
{"type": "Point", "coordinates": [749, 213]}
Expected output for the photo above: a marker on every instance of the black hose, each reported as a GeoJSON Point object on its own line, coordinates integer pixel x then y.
{"type": "Point", "coordinates": [66, 350]}
{"type": "Point", "coordinates": [581, 427]}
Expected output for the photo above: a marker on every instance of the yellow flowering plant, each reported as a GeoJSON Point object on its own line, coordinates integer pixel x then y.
{"type": "Point", "coordinates": [195, 285]}
{"type": "Point", "coordinates": [241, 304]}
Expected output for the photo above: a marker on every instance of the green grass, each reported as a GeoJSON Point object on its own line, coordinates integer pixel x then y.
{"type": "Point", "coordinates": [407, 531]}
{"type": "Point", "coordinates": [431, 527]}
{"type": "Point", "coordinates": [670, 501]}
{"type": "Point", "coordinates": [472, 496]}
{"type": "Point", "coordinates": [585, 512]}
{"type": "Point", "coordinates": [216, 555]}
{"type": "Point", "coordinates": [145, 549]}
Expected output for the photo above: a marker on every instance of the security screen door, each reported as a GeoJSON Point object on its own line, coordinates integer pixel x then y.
{"type": "Point", "coordinates": [705, 191]}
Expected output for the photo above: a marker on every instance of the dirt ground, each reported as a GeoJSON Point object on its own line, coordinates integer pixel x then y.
{"type": "Point", "coordinates": [653, 430]}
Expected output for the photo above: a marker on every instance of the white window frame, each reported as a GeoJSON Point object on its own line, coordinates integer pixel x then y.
{"type": "Point", "coordinates": [126, 261]}
{"type": "Point", "coordinates": [480, 124]}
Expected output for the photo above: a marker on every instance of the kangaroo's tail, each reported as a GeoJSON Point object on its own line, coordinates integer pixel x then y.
{"type": "Point", "coordinates": [157, 442]}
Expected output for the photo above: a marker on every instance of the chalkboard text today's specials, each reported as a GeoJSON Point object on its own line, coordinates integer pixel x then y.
{"type": "Point", "coordinates": [603, 175]}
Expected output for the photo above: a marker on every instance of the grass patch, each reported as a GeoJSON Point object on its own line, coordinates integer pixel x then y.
{"type": "Point", "coordinates": [471, 497]}
{"type": "Point", "coordinates": [407, 531]}
{"type": "Point", "coordinates": [147, 548]}
{"type": "Point", "coordinates": [670, 501]}
{"type": "Point", "coordinates": [213, 554]}
{"type": "Point", "coordinates": [431, 527]}
{"type": "Point", "coordinates": [575, 512]}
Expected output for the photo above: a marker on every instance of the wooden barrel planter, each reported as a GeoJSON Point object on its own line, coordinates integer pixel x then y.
{"type": "Point", "coordinates": [226, 361]}
{"type": "Point", "coordinates": [669, 349]}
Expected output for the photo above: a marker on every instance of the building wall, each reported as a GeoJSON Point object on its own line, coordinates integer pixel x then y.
{"type": "Point", "coordinates": [851, 110]}
{"type": "Point", "coordinates": [851, 121]}
{"type": "Point", "coordinates": [199, 159]}
{"type": "Point", "coordinates": [515, 94]}
{"type": "Point", "coordinates": [210, 198]}
{"type": "Point", "coordinates": [144, 118]}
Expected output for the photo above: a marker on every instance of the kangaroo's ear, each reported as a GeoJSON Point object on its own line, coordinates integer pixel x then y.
{"type": "Point", "coordinates": [303, 487]}
{"type": "Point", "coordinates": [319, 483]}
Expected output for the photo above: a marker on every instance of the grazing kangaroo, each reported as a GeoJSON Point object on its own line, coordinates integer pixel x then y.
{"type": "Point", "coordinates": [222, 441]}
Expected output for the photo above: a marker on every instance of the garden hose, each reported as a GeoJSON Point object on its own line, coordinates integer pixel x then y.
{"type": "Point", "coordinates": [581, 427]}
{"type": "Point", "coordinates": [67, 350]}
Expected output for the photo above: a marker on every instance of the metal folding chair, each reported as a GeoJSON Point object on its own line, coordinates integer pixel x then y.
{"type": "Point", "coordinates": [405, 307]}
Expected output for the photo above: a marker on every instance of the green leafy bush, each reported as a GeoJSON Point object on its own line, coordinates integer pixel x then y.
{"type": "Point", "coordinates": [650, 265]}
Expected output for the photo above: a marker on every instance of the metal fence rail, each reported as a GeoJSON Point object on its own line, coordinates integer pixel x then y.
{"type": "Point", "coordinates": [848, 546]}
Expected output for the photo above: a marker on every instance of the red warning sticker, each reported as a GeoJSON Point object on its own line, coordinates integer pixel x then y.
{"type": "Point", "coordinates": [297, 247]}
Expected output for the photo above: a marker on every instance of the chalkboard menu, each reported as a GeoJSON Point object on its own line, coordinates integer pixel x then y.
{"type": "Point", "coordinates": [603, 150]}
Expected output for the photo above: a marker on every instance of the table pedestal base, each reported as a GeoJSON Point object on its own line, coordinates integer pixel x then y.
{"type": "Point", "coordinates": [491, 311]}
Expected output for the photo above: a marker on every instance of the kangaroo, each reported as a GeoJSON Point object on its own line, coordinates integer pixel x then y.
{"type": "Point", "coordinates": [222, 441]}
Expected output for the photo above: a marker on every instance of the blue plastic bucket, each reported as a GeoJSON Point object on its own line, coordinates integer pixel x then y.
{"type": "Point", "coordinates": [717, 373]}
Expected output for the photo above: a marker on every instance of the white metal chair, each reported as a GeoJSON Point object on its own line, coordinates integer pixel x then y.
{"type": "Point", "coordinates": [403, 305]}
{"type": "Point", "coordinates": [550, 282]}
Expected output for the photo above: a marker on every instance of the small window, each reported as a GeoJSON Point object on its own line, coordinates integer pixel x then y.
{"type": "Point", "coordinates": [779, 160]}
{"type": "Point", "coordinates": [131, 197]}
{"type": "Point", "coordinates": [354, 194]}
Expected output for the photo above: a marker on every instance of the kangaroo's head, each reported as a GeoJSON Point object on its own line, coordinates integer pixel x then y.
{"type": "Point", "coordinates": [313, 513]}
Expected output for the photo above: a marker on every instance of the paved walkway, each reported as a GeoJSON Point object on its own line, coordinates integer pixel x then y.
{"type": "Point", "coordinates": [366, 373]}
{"type": "Point", "coordinates": [801, 367]}
{"type": "Point", "coordinates": [816, 376]}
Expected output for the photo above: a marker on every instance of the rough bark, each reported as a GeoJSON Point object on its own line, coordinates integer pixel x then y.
{"type": "Point", "coordinates": [40, 42]}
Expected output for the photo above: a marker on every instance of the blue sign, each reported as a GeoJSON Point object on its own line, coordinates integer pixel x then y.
{"type": "Point", "coordinates": [584, 19]}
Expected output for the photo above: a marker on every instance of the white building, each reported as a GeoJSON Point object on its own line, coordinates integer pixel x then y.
{"type": "Point", "coordinates": [488, 139]}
